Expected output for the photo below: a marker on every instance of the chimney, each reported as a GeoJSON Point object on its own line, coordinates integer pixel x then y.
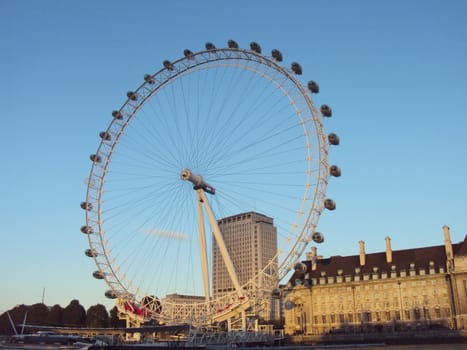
{"type": "Point", "coordinates": [314, 258]}
{"type": "Point", "coordinates": [388, 250]}
{"type": "Point", "coordinates": [362, 253]}
{"type": "Point", "coordinates": [447, 242]}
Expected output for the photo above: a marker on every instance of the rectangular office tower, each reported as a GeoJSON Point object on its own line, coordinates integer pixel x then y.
{"type": "Point", "coordinates": [251, 240]}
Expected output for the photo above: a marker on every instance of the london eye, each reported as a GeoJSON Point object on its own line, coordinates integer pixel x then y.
{"type": "Point", "coordinates": [214, 133]}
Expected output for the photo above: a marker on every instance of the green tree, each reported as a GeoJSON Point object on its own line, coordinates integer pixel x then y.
{"type": "Point", "coordinates": [74, 314]}
{"type": "Point", "coordinates": [55, 317]}
{"type": "Point", "coordinates": [97, 317]}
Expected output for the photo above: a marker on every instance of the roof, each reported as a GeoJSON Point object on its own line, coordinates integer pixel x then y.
{"type": "Point", "coordinates": [462, 248]}
{"type": "Point", "coordinates": [402, 259]}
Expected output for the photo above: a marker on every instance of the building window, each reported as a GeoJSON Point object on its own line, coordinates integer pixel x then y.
{"type": "Point", "coordinates": [397, 315]}
{"type": "Point", "coordinates": [350, 317]}
{"type": "Point", "coordinates": [417, 313]}
{"type": "Point", "coordinates": [426, 313]}
{"type": "Point", "coordinates": [407, 315]}
{"type": "Point", "coordinates": [323, 317]}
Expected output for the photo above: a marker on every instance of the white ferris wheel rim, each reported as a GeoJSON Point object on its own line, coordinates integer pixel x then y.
{"type": "Point", "coordinates": [311, 204]}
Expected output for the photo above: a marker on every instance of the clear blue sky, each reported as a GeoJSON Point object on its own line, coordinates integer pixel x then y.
{"type": "Point", "coordinates": [394, 72]}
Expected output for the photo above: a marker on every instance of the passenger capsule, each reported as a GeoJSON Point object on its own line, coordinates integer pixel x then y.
{"type": "Point", "coordinates": [210, 46]}
{"type": "Point", "coordinates": [232, 44]}
{"type": "Point", "coordinates": [333, 139]}
{"type": "Point", "coordinates": [111, 294]}
{"type": "Point", "coordinates": [296, 68]}
{"type": "Point", "coordinates": [167, 64]}
{"type": "Point", "coordinates": [313, 87]}
{"type": "Point", "coordinates": [188, 54]}
{"type": "Point", "coordinates": [95, 158]}
{"type": "Point", "coordinates": [104, 135]}
{"type": "Point", "coordinates": [86, 206]}
{"type": "Point", "coordinates": [117, 115]}
{"type": "Point", "coordinates": [300, 267]}
{"type": "Point", "coordinates": [148, 78]}
{"type": "Point", "coordinates": [335, 171]}
{"type": "Point", "coordinates": [132, 95]}
{"type": "Point", "coordinates": [254, 46]}
{"type": "Point", "coordinates": [277, 55]}
{"type": "Point", "coordinates": [317, 237]}
{"type": "Point", "coordinates": [326, 110]}
{"type": "Point", "coordinates": [90, 253]}
{"type": "Point", "coordinates": [329, 204]}
{"type": "Point", "coordinates": [98, 275]}
{"type": "Point", "coordinates": [87, 229]}
{"type": "Point", "coordinates": [276, 293]}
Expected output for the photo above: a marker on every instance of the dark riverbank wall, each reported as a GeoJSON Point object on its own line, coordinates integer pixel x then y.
{"type": "Point", "coordinates": [394, 338]}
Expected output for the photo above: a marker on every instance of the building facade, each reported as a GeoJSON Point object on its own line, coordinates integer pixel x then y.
{"type": "Point", "coordinates": [419, 288]}
{"type": "Point", "coordinates": [251, 240]}
{"type": "Point", "coordinates": [179, 308]}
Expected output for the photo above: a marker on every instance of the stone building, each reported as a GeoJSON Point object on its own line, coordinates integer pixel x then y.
{"type": "Point", "coordinates": [418, 288]}
{"type": "Point", "coordinates": [179, 308]}
{"type": "Point", "coordinates": [251, 240]}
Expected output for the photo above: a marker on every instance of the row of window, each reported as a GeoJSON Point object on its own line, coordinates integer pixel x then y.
{"type": "Point", "coordinates": [381, 316]}
{"type": "Point", "coordinates": [378, 286]}
{"type": "Point", "coordinates": [373, 276]}
{"type": "Point", "coordinates": [415, 294]}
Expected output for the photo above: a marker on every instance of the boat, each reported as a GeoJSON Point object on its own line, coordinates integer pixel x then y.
{"type": "Point", "coordinates": [44, 340]}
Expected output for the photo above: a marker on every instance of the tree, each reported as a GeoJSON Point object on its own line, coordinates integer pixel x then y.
{"type": "Point", "coordinates": [55, 317]}
{"type": "Point", "coordinates": [114, 321]}
{"type": "Point", "coordinates": [37, 314]}
{"type": "Point", "coordinates": [74, 314]}
{"type": "Point", "coordinates": [17, 315]}
{"type": "Point", "coordinates": [97, 317]}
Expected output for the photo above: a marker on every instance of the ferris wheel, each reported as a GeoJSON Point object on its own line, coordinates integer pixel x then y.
{"type": "Point", "coordinates": [212, 134]}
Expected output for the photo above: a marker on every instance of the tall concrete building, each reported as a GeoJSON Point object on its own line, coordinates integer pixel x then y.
{"type": "Point", "coordinates": [251, 240]}
{"type": "Point", "coordinates": [389, 291]}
